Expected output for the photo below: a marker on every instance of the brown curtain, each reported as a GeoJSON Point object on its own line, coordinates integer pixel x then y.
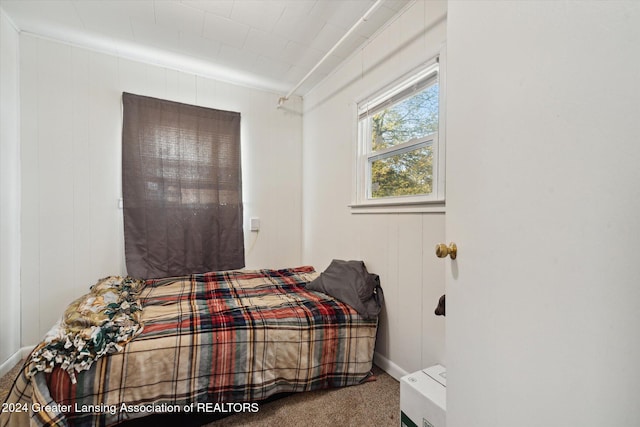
{"type": "Point", "coordinates": [182, 188]}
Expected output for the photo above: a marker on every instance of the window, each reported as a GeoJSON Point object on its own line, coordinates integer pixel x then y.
{"type": "Point", "coordinates": [400, 155]}
{"type": "Point", "coordinates": [182, 188]}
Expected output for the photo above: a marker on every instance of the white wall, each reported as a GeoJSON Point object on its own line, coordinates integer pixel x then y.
{"type": "Point", "coordinates": [71, 173]}
{"type": "Point", "coordinates": [543, 108]}
{"type": "Point", "coordinates": [398, 247]}
{"type": "Point", "coordinates": [9, 194]}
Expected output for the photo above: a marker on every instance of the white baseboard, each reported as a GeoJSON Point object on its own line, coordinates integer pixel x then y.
{"type": "Point", "coordinates": [10, 362]}
{"type": "Point", "coordinates": [388, 366]}
{"type": "Point", "coordinates": [15, 358]}
{"type": "Point", "coordinates": [26, 351]}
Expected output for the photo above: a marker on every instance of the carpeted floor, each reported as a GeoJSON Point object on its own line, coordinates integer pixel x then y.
{"type": "Point", "coordinates": [7, 381]}
{"type": "Point", "coordinates": [374, 403]}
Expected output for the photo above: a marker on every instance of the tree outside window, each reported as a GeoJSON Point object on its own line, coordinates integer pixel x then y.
{"type": "Point", "coordinates": [400, 155]}
{"type": "Point", "coordinates": [411, 172]}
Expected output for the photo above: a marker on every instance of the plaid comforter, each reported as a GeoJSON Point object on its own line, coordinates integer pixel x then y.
{"type": "Point", "coordinates": [222, 337]}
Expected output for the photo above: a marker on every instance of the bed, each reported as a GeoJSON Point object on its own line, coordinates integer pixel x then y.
{"type": "Point", "coordinates": [212, 342]}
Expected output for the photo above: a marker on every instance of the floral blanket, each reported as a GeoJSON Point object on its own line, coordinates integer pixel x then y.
{"type": "Point", "coordinates": [94, 325]}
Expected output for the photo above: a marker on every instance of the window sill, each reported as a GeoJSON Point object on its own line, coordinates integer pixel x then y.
{"type": "Point", "coordinates": [386, 208]}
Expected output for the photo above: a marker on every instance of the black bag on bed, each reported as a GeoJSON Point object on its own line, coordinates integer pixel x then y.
{"type": "Point", "coordinates": [351, 283]}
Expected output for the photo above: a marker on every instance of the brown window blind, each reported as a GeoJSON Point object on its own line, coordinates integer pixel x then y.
{"type": "Point", "coordinates": [182, 188]}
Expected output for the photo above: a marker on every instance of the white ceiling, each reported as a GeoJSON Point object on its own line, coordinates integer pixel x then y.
{"type": "Point", "coordinates": [269, 44]}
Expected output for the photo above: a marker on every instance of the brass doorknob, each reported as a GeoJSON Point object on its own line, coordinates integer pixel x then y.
{"type": "Point", "coordinates": [443, 250]}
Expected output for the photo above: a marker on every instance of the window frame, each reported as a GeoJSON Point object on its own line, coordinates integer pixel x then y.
{"type": "Point", "coordinates": [402, 88]}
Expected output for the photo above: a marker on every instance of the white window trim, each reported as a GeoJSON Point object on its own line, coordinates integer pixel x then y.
{"type": "Point", "coordinates": [361, 200]}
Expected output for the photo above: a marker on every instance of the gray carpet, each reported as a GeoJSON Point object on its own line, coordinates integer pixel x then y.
{"type": "Point", "coordinates": [374, 403]}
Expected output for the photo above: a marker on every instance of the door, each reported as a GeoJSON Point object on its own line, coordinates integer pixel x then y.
{"type": "Point", "coordinates": [543, 202]}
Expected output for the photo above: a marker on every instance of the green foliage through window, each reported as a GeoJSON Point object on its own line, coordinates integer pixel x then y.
{"type": "Point", "coordinates": [404, 172]}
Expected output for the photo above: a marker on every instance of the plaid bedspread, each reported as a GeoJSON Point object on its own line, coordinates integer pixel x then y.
{"type": "Point", "coordinates": [220, 337]}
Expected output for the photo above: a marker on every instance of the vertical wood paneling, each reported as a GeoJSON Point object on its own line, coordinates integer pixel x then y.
{"type": "Point", "coordinates": [30, 191]}
{"type": "Point", "coordinates": [55, 146]}
{"type": "Point", "coordinates": [104, 142]}
{"type": "Point", "coordinates": [392, 300]}
{"type": "Point", "coordinates": [9, 194]}
{"type": "Point", "coordinates": [156, 80]}
{"type": "Point", "coordinates": [81, 97]}
{"type": "Point", "coordinates": [433, 270]}
{"type": "Point", "coordinates": [171, 84]}
{"type": "Point", "coordinates": [410, 288]}
{"type": "Point", "coordinates": [133, 77]}
{"type": "Point", "coordinates": [376, 250]}
{"type": "Point", "coordinates": [71, 111]}
{"type": "Point", "coordinates": [287, 191]}
{"type": "Point", "coordinates": [397, 246]}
